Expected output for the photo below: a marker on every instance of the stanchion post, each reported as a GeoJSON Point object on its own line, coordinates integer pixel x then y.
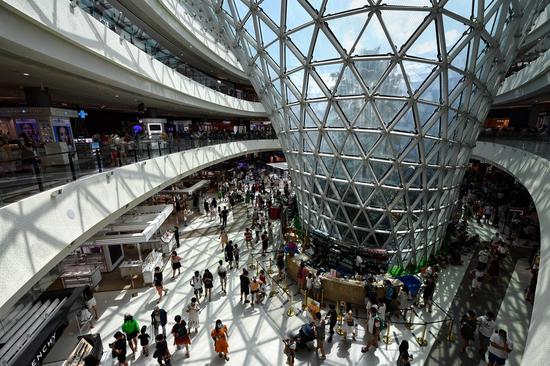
{"type": "Point", "coordinates": [270, 271]}
{"type": "Point", "coordinates": [322, 298]}
{"type": "Point", "coordinates": [388, 339]}
{"type": "Point", "coordinates": [304, 302]}
{"type": "Point", "coordinates": [451, 336]}
{"type": "Point", "coordinates": [422, 342]}
{"type": "Point", "coordinates": [410, 324]}
{"type": "Point", "coordinates": [290, 312]}
{"type": "Point", "coordinates": [340, 328]}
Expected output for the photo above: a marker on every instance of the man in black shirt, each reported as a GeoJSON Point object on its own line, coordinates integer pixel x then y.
{"type": "Point", "coordinates": [177, 236]}
{"type": "Point", "coordinates": [333, 317]}
{"type": "Point", "coordinates": [224, 214]}
{"type": "Point", "coordinates": [119, 348]}
{"type": "Point", "coordinates": [245, 286]}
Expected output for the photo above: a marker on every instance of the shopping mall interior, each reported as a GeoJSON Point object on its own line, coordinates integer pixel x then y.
{"type": "Point", "coordinates": [274, 182]}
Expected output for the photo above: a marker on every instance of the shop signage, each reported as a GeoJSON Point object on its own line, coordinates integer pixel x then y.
{"type": "Point", "coordinates": [46, 348]}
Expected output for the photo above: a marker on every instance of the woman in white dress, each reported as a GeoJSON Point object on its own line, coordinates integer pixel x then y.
{"type": "Point", "coordinates": [193, 310]}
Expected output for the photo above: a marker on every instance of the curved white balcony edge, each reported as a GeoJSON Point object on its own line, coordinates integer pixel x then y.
{"type": "Point", "coordinates": [36, 233]}
{"type": "Point", "coordinates": [533, 172]}
{"type": "Point", "coordinates": [55, 34]}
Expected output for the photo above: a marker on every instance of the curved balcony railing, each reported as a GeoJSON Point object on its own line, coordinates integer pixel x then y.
{"type": "Point", "coordinates": [27, 171]}
{"type": "Point", "coordinates": [533, 142]}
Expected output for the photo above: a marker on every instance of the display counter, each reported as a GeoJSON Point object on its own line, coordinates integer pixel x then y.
{"type": "Point", "coordinates": [154, 259]}
{"type": "Point", "coordinates": [168, 241]}
{"type": "Point", "coordinates": [339, 289]}
{"type": "Point", "coordinates": [76, 276]}
{"type": "Point", "coordinates": [130, 268]}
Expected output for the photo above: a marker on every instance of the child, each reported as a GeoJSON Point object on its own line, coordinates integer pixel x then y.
{"type": "Point", "coordinates": [289, 350]}
{"type": "Point", "coordinates": [144, 341]}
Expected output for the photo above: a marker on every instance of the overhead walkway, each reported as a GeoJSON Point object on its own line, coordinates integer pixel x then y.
{"type": "Point", "coordinates": [36, 233]}
{"type": "Point", "coordinates": [65, 38]}
{"type": "Point", "coordinates": [532, 170]}
{"type": "Point", "coordinates": [171, 20]}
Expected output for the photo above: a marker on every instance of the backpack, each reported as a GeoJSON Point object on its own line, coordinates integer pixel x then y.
{"type": "Point", "coordinates": [181, 331]}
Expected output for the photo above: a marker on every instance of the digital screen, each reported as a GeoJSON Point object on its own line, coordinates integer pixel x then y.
{"type": "Point", "coordinates": [155, 127]}
{"type": "Point", "coordinates": [115, 251]}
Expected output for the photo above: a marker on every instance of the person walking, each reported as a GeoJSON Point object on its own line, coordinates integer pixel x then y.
{"type": "Point", "coordinates": [302, 274]}
{"type": "Point", "coordinates": [118, 349]}
{"type": "Point", "coordinates": [159, 318]}
{"type": "Point", "coordinates": [223, 239]}
{"type": "Point", "coordinates": [349, 326]}
{"type": "Point", "coordinates": [144, 341]}
{"type": "Point", "coordinates": [222, 273]}
{"type": "Point", "coordinates": [131, 329]}
{"type": "Point", "coordinates": [158, 283]}
{"type": "Point", "coordinates": [177, 233]}
{"type": "Point", "coordinates": [175, 260]}
{"type": "Point", "coordinates": [428, 293]}
{"type": "Point", "coordinates": [320, 325]}
{"type": "Point", "coordinates": [483, 259]}
{"type": "Point", "coordinates": [229, 254]}
{"type": "Point", "coordinates": [196, 283]}
{"type": "Point", "coordinates": [248, 238]}
{"type": "Point", "coordinates": [208, 280]}
{"type": "Point", "coordinates": [224, 214]}
{"type": "Point", "coordinates": [181, 335]}
{"type": "Point", "coordinates": [236, 252]}
{"type": "Point", "coordinates": [245, 286]}
{"type": "Point", "coordinates": [206, 208]}
{"type": "Point", "coordinates": [468, 326]}
{"type": "Point", "coordinates": [499, 348]}
{"type": "Point", "coordinates": [280, 261]}
{"type": "Point", "coordinates": [162, 353]}
{"type": "Point", "coordinates": [193, 310]}
{"type": "Point", "coordinates": [254, 291]}
{"type": "Point", "coordinates": [265, 243]}
{"type": "Point", "coordinates": [374, 326]}
{"type": "Point", "coordinates": [332, 316]}
{"type": "Point", "coordinates": [486, 327]}
{"type": "Point", "coordinates": [220, 336]}
{"type": "Point", "coordinates": [404, 356]}
{"type": "Point", "coordinates": [90, 301]}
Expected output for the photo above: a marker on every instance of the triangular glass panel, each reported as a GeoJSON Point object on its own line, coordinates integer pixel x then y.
{"type": "Point", "coordinates": [373, 40]}
{"type": "Point", "coordinates": [364, 191]}
{"type": "Point", "coordinates": [340, 171]}
{"type": "Point", "coordinates": [313, 89]}
{"type": "Point", "coordinates": [297, 79]}
{"type": "Point", "coordinates": [433, 92]}
{"type": "Point", "coordinates": [401, 24]}
{"type": "Point", "coordinates": [273, 50]}
{"type": "Point", "coordinates": [296, 15]}
{"type": "Point", "coordinates": [426, 45]}
{"type": "Point", "coordinates": [400, 143]}
{"type": "Point", "coordinates": [376, 200]}
{"type": "Point", "coordinates": [291, 61]}
{"type": "Point", "coordinates": [290, 96]}
{"type": "Point", "coordinates": [460, 58]}
{"type": "Point", "coordinates": [314, 137]}
{"type": "Point", "coordinates": [352, 165]}
{"type": "Point", "coordinates": [350, 108]}
{"type": "Point", "coordinates": [412, 155]}
{"type": "Point", "coordinates": [268, 35]}
{"type": "Point", "coordinates": [406, 123]}
{"type": "Point", "coordinates": [339, 139]}
{"type": "Point", "coordinates": [425, 112]}
{"type": "Point", "coordinates": [319, 109]}
{"type": "Point", "coordinates": [428, 145]}
{"type": "Point", "coordinates": [380, 169]}
{"type": "Point", "coordinates": [302, 39]}
{"type": "Point", "coordinates": [242, 10]}
{"type": "Point", "coordinates": [342, 187]}
{"type": "Point", "coordinates": [391, 179]}
{"type": "Point", "coordinates": [394, 84]}
{"type": "Point", "coordinates": [367, 140]}
{"type": "Point", "coordinates": [435, 130]}
{"type": "Point", "coordinates": [325, 146]}
{"type": "Point", "coordinates": [349, 25]}
{"type": "Point", "coordinates": [272, 9]}
{"type": "Point", "coordinates": [491, 23]}
{"type": "Point", "coordinates": [389, 108]}
{"type": "Point", "coordinates": [370, 71]}
{"type": "Point", "coordinates": [249, 26]}
{"type": "Point", "coordinates": [351, 211]}
{"type": "Point", "coordinates": [364, 175]}
{"type": "Point", "coordinates": [350, 147]}
{"type": "Point", "coordinates": [308, 146]}
{"type": "Point", "coordinates": [417, 73]}
{"type": "Point", "coordinates": [453, 79]}
{"type": "Point", "coordinates": [324, 49]}
{"type": "Point", "coordinates": [454, 31]}
{"type": "Point", "coordinates": [349, 85]}
{"type": "Point", "coordinates": [334, 7]}
{"type": "Point", "coordinates": [461, 7]}
{"type": "Point", "coordinates": [333, 119]}
{"type": "Point", "coordinates": [367, 118]}
{"type": "Point", "coordinates": [329, 74]}
{"type": "Point", "coordinates": [309, 121]}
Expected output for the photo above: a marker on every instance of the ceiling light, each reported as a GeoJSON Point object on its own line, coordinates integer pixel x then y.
{"type": "Point", "coordinates": [26, 74]}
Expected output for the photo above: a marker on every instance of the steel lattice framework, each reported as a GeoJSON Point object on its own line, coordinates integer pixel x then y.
{"type": "Point", "coordinates": [377, 104]}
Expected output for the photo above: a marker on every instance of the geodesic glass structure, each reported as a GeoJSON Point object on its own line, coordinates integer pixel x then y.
{"type": "Point", "coordinates": [377, 103]}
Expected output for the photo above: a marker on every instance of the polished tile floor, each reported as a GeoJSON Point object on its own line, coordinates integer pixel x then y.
{"type": "Point", "coordinates": [255, 333]}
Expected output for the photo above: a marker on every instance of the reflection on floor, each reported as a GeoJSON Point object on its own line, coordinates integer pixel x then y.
{"type": "Point", "coordinates": [256, 331]}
